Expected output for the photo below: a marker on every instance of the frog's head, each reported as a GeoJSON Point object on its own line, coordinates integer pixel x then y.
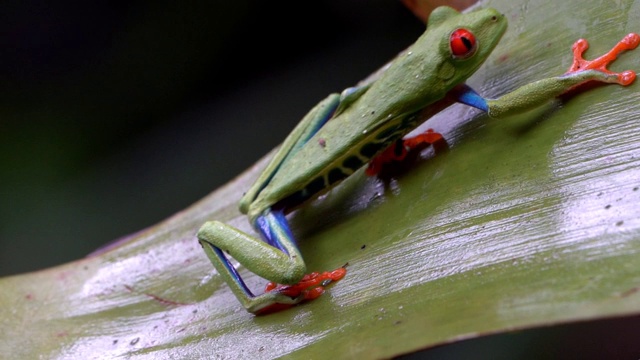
{"type": "Point", "coordinates": [465, 40]}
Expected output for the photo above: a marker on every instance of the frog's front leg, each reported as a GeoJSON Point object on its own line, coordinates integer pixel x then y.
{"type": "Point", "coordinates": [537, 93]}
{"type": "Point", "coordinates": [277, 258]}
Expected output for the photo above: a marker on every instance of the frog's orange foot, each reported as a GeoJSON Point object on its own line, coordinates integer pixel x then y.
{"type": "Point", "coordinates": [309, 288]}
{"type": "Point", "coordinates": [403, 147]}
{"type": "Point", "coordinates": [624, 78]}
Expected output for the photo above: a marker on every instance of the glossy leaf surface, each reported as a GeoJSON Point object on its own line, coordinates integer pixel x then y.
{"type": "Point", "coordinates": [526, 221]}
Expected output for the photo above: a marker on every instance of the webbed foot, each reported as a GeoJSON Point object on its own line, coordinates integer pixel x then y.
{"type": "Point", "coordinates": [624, 78]}
{"type": "Point", "coordinates": [309, 288]}
{"type": "Point", "coordinates": [399, 151]}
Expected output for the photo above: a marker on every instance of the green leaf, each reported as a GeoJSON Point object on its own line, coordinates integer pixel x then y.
{"type": "Point", "coordinates": [526, 221]}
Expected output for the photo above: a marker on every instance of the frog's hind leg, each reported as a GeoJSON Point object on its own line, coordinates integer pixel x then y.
{"type": "Point", "coordinates": [299, 136]}
{"type": "Point", "coordinates": [310, 124]}
{"type": "Point", "coordinates": [277, 259]}
{"type": "Point", "coordinates": [405, 150]}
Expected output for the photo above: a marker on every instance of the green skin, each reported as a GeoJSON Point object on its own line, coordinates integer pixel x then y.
{"type": "Point", "coordinates": [317, 155]}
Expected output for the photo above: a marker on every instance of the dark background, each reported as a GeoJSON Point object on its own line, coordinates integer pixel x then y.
{"type": "Point", "coordinates": [116, 114]}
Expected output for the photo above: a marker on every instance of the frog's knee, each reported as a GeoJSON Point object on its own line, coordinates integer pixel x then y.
{"type": "Point", "coordinates": [211, 230]}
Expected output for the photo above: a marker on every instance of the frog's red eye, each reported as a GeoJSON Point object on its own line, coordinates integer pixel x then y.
{"type": "Point", "coordinates": [463, 43]}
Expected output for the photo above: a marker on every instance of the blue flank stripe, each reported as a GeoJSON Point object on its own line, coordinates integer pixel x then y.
{"type": "Point", "coordinates": [272, 225]}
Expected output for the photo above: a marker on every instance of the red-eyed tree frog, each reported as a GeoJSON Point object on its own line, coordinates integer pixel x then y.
{"type": "Point", "coordinates": [346, 131]}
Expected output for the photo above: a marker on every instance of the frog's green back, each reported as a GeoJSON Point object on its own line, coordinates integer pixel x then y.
{"type": "Point", "coordinates": [419, 77]}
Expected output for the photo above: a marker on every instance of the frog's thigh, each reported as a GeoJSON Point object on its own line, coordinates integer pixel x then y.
{"type": "Point", "coordinates": [257, 256]}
